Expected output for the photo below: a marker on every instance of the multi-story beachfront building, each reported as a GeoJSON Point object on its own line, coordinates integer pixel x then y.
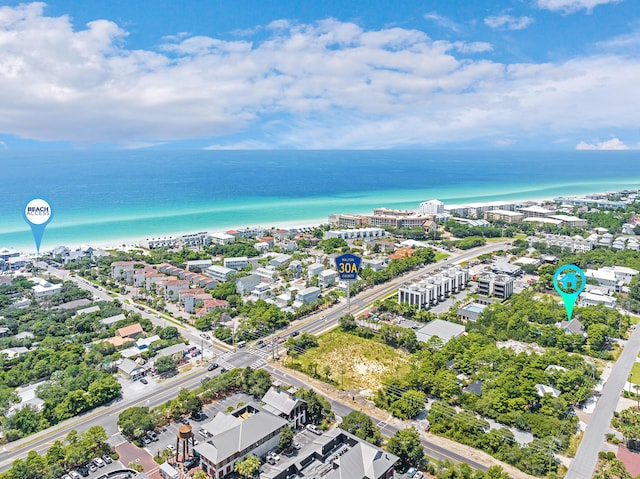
{"type": "Point", "coordinates": [431, 207]}
{"type": "Point", "coordinates": [356, 233]}
{"type": "Point", "coordinates": [504, 215]}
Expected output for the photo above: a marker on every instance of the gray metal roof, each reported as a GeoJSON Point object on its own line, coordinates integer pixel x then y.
{"type": "Point", "coordinates": [443, 329]}
{"type": "Point", "coordinates": [279, 401]}
{"type": "Point", "coordinates": [363, 460]}
{"type": "Point", "coordinates": [235, 432]}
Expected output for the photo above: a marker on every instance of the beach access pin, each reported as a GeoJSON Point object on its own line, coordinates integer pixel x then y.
{"type": "Point", "coordinates": [569, 282]}
{"type": "Point", "coordinates": [38, 214]}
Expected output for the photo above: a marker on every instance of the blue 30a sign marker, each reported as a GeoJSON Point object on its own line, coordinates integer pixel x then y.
{"type": "Point", "coordinates": [38, 213]}
{"type": "Point", "coordinates": [348, 266]}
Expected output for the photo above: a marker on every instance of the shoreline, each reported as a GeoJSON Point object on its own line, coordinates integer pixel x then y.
{"type": "Point", "coordinates": [130, 242]}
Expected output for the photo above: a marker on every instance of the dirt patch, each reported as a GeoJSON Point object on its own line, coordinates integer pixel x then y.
{"type": "Point", "coordinates": [350, 362]}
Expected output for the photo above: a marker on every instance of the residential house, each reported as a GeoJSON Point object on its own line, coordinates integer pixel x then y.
{"type": "Point", "coordinates": [152, 278]}
{"type": "Point", "coordinates": [267, 274]}
{"type": "Point", "coordinates": [111, 320]}
{"type": "Point", "coordinates": [211, 304]}
{"type": "Point", "coordinates": [129, 369]}
{"type": "Point", "coordinates": [308, 295]}
{"type": "Point", "coordinates": [43, 288]}
{"type": "Point", "coordinates": [123, 270]}
{"type": "Point", "coordinates": [279, 260]}
{"type": "Point", "coordinates": [246, 284]}
{"type": "Point", "coordinates": [295, 269]}
{"type": "Point", "coordinates": [130, 332]}
{"type": "Point", "coordinates": [176, 352]}
{"type": "Point", "coordinates": [327, 278]}
{"type": "Point", "coordinates": [171, 288]}
{"type": "Point", "coordinates": [314, 269]}
{"type": "Point", "coordinates": [222, 238]}
{"type": "Point", "coordinates": [238, 263]}
{"type": "Point", "coordinates": [220, 273]}
{"type": "Point", "coordinates": [14, 352]}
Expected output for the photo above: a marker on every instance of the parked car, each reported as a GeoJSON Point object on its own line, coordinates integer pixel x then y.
{"type": "Point", "coordinates": [296, 445]}
{"type": "Point", "coordinates": [84, 471]}
{"type": "Point", "coordinates": [418, 475]}
{"type": "Point", "coordinates": [314, 429]}
{"type": "Point", "coordinates": [74, 474]}
{"type": "Point", "coordinates": [144, 381]}
{"type": "Point", "coordinates": [92, 467]}
{"type": "Point", "coordinates": [99, 462]}
{"type": "Point", "coordinates": [66, 476]}
{"type": "Point", "coordinates": [172, 448]}
{"type": "Point", "coordinates": [411, 472]}
{"type": "Point", "coordinates": [191, 462]}
{"type": "Point", "coordinates": [146, 440]}
{"type": "Point", "coordinates": [152, 435]}
{"type": "Point", "coordinates": [107, 458]}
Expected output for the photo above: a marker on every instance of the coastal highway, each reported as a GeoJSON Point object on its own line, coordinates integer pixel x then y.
{"type": "Point", "coordinates": [584, 463]}
{"type": "Point", "coordinates": [316, 323]}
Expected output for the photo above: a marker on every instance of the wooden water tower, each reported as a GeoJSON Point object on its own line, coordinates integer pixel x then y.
{"type": "Point", "coordinates": [184, 443]}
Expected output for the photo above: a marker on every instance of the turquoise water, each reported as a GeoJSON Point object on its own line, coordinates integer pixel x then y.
{"type": "Point", "coordinates": [111, 197]}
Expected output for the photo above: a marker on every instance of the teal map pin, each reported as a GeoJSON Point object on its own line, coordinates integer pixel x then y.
{"type": "Point", "coordinates": [569, 282]}
{"type": "Point", "coordinates": [38, 214]}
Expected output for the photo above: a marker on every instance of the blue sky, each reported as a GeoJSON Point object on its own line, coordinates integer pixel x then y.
{"type": "Point", "coordinates": [210, 74]}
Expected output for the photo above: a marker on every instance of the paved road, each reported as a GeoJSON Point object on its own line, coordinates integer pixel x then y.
{"type": "Point", "coordinates": [107, 416]}
{"type": "Point", "coordinates": [584, 463]}
{"type": "Point", "coordinates": [340, 409]}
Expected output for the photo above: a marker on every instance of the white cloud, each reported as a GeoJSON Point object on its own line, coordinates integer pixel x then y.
{"type": "Point", "coordinates": [612, 144]}
{"type": "Point", "coordinates": [442, 21]}
{"type": "Point", "coordinates": [571, 6]}
{"type": "Point", "coordinates": [330, 84]}
{"type": "Point", "coordinates": [508, 22]}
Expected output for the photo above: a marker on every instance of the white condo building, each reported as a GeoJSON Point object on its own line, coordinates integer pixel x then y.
{"type": "Point", "coordinates": [431, 207]}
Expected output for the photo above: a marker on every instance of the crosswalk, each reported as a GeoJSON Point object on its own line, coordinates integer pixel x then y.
{"type": "Point", "coordinates": [261, 355]}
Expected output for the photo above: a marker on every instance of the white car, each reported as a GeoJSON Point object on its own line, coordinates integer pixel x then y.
{"type": "Point", "coordinates": [418, 475]}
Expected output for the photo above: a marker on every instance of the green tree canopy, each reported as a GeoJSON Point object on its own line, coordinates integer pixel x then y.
{"type": "Point", "coordinates": [361, 425]}
{"type": "Point", "coordinates": [407, 446]}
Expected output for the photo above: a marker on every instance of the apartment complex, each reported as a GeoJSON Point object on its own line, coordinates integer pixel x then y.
{"type": "Point", "coordinates": [497, 285]}
{"type": "Point", "coordinates": [430, 290]}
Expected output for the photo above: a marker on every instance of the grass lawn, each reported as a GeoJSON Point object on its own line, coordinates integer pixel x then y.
{"type": "Point", "coordinates": [360, 363]}
{"type": "Point", "coordinates": [440, 255]}
{"type": "Point", "coordinates": [635, 373]}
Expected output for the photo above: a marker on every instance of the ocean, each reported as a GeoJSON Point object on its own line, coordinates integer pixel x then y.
{"type": "Point", "coordinates": [116, 197]}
